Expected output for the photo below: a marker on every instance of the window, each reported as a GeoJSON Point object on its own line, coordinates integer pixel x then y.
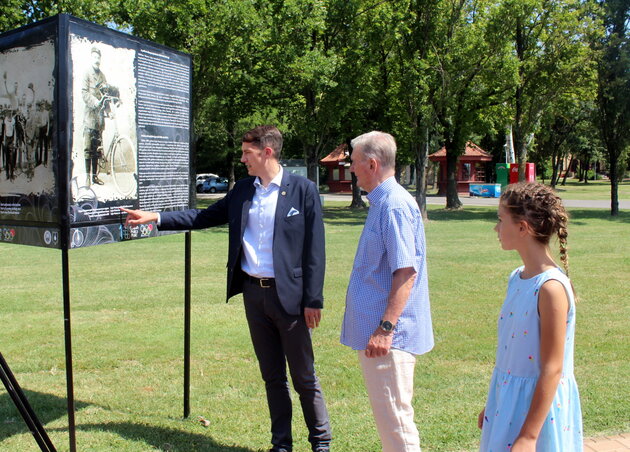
{"type": "Point", "coordinates": [466, 171]}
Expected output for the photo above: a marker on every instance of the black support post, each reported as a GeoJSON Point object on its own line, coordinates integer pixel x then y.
{"type": "Point", "coordinates": [187, 277]}
{"type": "Point", "coordinates": [67, 327]}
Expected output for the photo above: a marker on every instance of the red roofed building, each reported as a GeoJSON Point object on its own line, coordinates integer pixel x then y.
{"type": "Point", "coordinates": [338, 164]}
{"type": "Point", "coordinates": [471, 167]}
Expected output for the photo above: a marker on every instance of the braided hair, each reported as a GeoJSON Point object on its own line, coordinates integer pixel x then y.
{"type": "Point", "coordinates": [543, 210]}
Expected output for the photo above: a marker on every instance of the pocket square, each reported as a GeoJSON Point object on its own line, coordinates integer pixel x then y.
{"type": "Point", "coordinates": [293, 211]}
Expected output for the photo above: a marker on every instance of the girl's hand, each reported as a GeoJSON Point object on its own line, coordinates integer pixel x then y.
{"type": "Point", "coordinates": [524, 445]}
{"type": "Point", "coordinates": [480, 418]}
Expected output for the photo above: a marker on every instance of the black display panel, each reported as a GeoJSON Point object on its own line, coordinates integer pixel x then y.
{"type": "Point", "coordinates": [91, 120]}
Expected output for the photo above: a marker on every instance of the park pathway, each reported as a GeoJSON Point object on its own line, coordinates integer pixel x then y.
{"type": "Point", "coordinates": [477, 201]}
{"type": "Point", "coordinates": [466, 200]}
{"type": "Point", "coordinates": [617, 443]}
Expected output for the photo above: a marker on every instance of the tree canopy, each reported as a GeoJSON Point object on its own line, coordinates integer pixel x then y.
{"type": "Point", "coordinates": [432, 72]}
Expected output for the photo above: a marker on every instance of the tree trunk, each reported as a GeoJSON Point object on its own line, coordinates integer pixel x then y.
{"type": "Point", "coordinates": [587, 164]}
{"type": "Point", "coordinates": [312, 164]}
{"type": "Point", "coordinates": [230, 155]}
{"type": "Point", "coordinates": [397, 173]}
{"type": "Point", "coordinates": [555, 176]}
{"type": "Point", "coordinates": [517, 130]}
{"type": "Point", "coordinates": [421, 176]}
{"type": "Point", "coordinates": [566, 172]}
{"type": "Point", "coordinates": [452, 198]}
{"type": "Point", "coordinates": [614, 187]}
{"type": "Point", "coordinates": [357, 200]}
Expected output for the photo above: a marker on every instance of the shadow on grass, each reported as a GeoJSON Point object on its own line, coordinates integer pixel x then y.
{"type": "Point", "coordinates": [575, 215]}
{"type": "Point", "coordinates": [469, 213]}
{"type": "Point", "coordinates": [165, 439]}
{"type": "Point", "coordinates": [345, 216]}
{"type": "Point", "coordinates": [47, 408]}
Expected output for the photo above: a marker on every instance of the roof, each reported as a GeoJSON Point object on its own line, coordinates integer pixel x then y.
{"type": "Point", "coordinates": [340, 154]}
{"type": "Point", "coordinates": [473, 152]}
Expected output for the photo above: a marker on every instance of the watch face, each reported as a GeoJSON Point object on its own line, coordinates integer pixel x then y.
{"type": "Point", "coordinates": [387, 325]}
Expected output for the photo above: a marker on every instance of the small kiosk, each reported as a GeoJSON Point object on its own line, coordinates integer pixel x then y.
{"type": "Point", "coordinates": [471, 167]}
{"type": "Point", "coordinates": [338, 165]}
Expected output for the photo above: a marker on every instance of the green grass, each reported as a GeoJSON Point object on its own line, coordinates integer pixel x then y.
{"type": "Point", "coordinates": [593, 190]}
{"type": "Point", "coordinates": [127, 318]}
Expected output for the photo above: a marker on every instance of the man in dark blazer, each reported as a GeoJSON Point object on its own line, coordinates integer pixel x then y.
{"type": "Point", "coordinates": [277, 260]}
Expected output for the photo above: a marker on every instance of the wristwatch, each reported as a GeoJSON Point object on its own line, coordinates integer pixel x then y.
{"type": "Point", "coordinates": [386, 326]}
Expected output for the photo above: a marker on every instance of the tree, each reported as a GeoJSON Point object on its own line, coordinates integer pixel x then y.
{"type": "Point", "coordinates": [613, 89]}
{"type": "Point", "coordinates": [227, 40]}
{"type": "Point", "coordinates": [16, 13]}
{"type": "Point", "coordinates": [305, 55]}
{"type": "Point", "coordinates": [11, 15]}
{"type": "Point", "coordinates": [553, 61]}
{"type": "Point", "coordinates": [415, 32]}
{"type": "Point", "coordinates": [471, 71]}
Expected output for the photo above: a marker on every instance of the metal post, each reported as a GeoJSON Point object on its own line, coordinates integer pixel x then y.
{"type": "Point", "coordinates": [68, 341]}
{"type": "Point", "coordinates": [187, 273]}
{"type": "Point", "coordinates": [21, 403]}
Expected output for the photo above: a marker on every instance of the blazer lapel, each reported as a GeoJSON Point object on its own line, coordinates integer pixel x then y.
{"type": "Point", "coordinates": [283, 196]}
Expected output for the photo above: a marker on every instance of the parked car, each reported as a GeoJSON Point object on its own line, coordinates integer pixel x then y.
{"type": "Point", "coordinates": [214, 184]}
{"type": "Point", "coordinates": [201, 179]}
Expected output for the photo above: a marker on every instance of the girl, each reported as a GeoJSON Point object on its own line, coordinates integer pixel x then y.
{"type": "Point", "coordinates": [533, 402]}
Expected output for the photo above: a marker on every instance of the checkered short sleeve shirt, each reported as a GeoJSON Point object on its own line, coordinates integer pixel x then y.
{"type": "Point", "coordinates": [392, 238]}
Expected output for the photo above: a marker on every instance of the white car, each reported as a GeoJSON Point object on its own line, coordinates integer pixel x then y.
{"type": "Point", "coordinates": [201, 178]}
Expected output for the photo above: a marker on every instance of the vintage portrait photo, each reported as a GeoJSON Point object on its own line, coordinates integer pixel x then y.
{"type": "Point", "coordinates": [104, 150]}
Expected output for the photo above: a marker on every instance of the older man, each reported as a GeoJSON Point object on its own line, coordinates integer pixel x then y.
{"type": "Point", "coordinates": [388, 318]}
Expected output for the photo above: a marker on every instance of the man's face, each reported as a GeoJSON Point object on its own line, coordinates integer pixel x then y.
{"type": "Point", "coordinates": [96, 60]}
{"type": "Point", "coordinates": [361, 167]}
{"type": "Point", "coordinates": [253, 158]}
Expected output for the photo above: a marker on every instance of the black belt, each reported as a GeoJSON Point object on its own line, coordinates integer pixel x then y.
{"type": "Point", "coordinates": [265, 283]}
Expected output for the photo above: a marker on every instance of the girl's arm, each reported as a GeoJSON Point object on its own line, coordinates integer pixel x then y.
{"type": "Point", "coordinates": [553, 307]}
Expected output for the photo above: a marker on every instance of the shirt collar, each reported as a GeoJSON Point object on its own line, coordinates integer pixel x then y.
{"type": "Point", "coordinates": [275, 181]}
{"type": "Point", "coordinates": [381, 190]}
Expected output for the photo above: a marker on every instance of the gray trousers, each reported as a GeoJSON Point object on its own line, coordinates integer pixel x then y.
{"type": "Point", "coordinates": [278, 339]}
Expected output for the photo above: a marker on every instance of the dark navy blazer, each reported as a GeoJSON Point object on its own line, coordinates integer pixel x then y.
{"type": "Point", "coordinates": [299, 257]}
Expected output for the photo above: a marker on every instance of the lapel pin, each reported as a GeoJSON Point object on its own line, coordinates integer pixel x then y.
{"type": "Point", "coordinates": [284, 193]}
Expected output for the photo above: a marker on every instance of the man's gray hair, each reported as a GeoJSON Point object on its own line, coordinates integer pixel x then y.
{"type": "Point", "coordinates": [380, 146]}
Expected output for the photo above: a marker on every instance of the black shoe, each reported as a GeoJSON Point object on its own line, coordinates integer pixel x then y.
{"type": "Point", "coordinates": [281, 449]}
{"type": "Point", "coordinates": [321, 449]}
{"type": "Point", "coordinates": [97, 181]}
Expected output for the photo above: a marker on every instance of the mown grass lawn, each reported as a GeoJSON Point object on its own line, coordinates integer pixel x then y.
{"type": "Point", "coordinates": [127, 316]}
{"type": "Point", "coordinates": [593, 190]}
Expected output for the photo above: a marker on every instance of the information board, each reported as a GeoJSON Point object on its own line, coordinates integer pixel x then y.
{"type": "Point", "coordinates": [92, 120]}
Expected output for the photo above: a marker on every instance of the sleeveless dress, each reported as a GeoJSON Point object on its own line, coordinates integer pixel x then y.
{"type": "Point", "coordinates": [517, 370]}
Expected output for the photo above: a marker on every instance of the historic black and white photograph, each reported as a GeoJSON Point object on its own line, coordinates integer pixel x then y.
{"type": "Point", "coordinates": [26, 100]}
{"type": "Point", "coordinates": [104, 149]}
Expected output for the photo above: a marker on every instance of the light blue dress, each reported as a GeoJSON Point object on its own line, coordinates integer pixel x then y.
{"type": "Point", "coordinates": [517, 370]}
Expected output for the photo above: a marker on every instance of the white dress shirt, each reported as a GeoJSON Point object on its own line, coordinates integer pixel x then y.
{"type": "Point", "coordinates": [258, 237]}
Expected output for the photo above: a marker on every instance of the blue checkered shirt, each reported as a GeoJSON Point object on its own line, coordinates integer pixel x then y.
{"type": "Point", "coordinates": [392, 238]}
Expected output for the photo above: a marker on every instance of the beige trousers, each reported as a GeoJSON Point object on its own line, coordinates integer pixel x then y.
{"type": "Point", "coordinates": [389, 383]}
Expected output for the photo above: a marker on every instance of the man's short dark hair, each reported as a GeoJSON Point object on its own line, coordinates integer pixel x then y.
{"type": "Point", "coordinates": [265, 136]}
